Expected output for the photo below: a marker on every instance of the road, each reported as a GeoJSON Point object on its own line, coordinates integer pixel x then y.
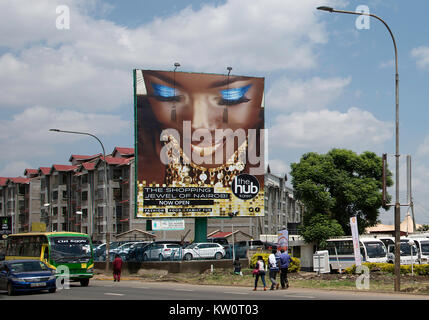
{"type": "Point", "coordinates": [140, 290]}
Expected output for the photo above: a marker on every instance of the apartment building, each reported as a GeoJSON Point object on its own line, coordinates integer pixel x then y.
{"type": "Point", "coordinates": [72, 197]}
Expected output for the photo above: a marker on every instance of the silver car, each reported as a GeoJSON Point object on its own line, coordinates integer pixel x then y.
{"type": "Point", "coordinates": [161, 251]}
{"type": "Point", "coordinates": [204, 250]}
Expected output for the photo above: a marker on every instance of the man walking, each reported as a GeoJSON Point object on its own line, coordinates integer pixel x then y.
{"type": "Point", "coordinates": [274, 269]}
{"type": "Point", "coordinates": [284, 260]}
{"type": "Point", "coordinates": [117, 268]}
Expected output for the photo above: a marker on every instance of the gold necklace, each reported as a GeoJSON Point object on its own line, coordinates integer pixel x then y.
{"type": "Point", "coordinates": [182, 172]}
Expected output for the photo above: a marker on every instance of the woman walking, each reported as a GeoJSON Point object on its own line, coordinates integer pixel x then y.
{"type": "Point", "coordinates": [260, 272]}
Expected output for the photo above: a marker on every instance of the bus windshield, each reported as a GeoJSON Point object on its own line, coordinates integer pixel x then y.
{"type": "Point", "coordinates": [406, 249]}
{"type": "Point", "coordinates": [375, 249]}
{"type": "Point", "coordinates": [70, 248]}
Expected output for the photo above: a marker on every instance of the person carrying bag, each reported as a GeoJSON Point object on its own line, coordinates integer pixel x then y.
{"type": "Point", "coordinates": [259, 271]}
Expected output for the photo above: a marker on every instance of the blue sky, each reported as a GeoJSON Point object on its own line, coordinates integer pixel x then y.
{"type": "Point", "coordinates": [327, 83]}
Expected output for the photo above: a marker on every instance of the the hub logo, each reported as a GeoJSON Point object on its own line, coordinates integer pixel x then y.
{"type": "Point", "coordinates": [245, 186]}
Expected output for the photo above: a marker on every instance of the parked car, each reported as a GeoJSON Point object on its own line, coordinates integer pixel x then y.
{"type": "Point", "coordinates": [26, 275]}
{"type": "Point", "coordinates": [239, 252]}
{"type": "Point", "coordinates": [251, 244]}
{"type": "Point", "coordinates": [161, 251]}
{"type": "Point", "coordinates": [221, 240]}
{"type": "Point", "coordinates": [135, 253]}
{"type": "Point", "coordinates": [204, 250]}
{"type": "Point", "coordinates": [122, 250]}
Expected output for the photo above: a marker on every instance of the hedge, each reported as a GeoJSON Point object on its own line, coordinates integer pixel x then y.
{"type": "Point", "coordinates": [419, 269]}
{"type": "Point", "coordinates": [295, 265]}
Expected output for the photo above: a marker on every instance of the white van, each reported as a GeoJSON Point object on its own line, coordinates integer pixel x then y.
{"type": "Point", "coordinates": [341, 252]}
{"type": "Point", "coordinates": [422, 245]}
{"type": "Point", "coordinates": [405, 248]}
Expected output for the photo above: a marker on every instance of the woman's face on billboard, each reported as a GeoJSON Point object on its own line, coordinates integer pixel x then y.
{"type": "Point", "coordinates": [203, 100]}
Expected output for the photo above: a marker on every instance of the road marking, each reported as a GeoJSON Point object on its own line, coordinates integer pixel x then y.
{"type": "Point", "coordinates": [187, 290]}
{"type": "Point", "coordinates": [236, 292]}
{"type": "Point", "coordinates": [297, 296]}
{"type": "Point", "coordinates": [113, 294]}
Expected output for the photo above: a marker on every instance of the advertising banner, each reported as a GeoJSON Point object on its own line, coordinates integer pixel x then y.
{"type": "Point", "coordinates": [283, 239]}
{"type": "Point", "coordinates": [355, 237]}
{"type": "Point", "coordinates": [199, 142]}
{"type": "Point", "coordinates": [6, 226]}
{"type": "Point", "coordinates": [168, 224]}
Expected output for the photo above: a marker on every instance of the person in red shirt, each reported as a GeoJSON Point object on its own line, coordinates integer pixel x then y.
{"type": "Point", "coordinates": [117, 268]}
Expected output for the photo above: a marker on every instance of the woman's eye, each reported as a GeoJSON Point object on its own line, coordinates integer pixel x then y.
{"type": "Point", "coordinates": [164, 93]}
{"type": "Point", "coordinates": [234, 96]}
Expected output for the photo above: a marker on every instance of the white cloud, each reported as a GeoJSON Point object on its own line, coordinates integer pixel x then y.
{"type": "Point", "coordinates": [278, 167]}
{"type": "Point", "coordinates": [27, 134]}
{"type": "Point", "coordinates": [423, 148]}
{"type": "Point", "coordinates": [14, 169]}
{"type": "Point", "coordinates": [356, 129]}
{"type": "Point", "coordinates": [421, 54]}
{"type": "Point", "coordinates": [90, 65]}
{"type": "Point", "coordinates": [300, 95]}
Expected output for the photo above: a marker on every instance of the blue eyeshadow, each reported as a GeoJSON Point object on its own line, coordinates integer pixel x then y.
{"type": "Point", "coordinates": [234, 94]}
{"type": "Point", "coordinates": [163, 91]}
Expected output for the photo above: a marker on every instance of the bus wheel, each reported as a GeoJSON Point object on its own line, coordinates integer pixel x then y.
{"type": "Point", "coordinates": [52, 290]}
{"type": "Point", "coordinates": [84, 282]}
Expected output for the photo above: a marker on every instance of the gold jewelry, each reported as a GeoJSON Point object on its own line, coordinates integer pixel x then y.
{"type": "Point", "coordinates": [181, 171]}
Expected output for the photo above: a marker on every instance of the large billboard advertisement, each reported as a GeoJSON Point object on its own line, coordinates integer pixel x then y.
{"type": "Point", "coordinates": [199, 142]}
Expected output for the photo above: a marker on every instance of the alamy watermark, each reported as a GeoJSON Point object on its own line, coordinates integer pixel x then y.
{"type": "Point", "coordinates": [63, 17]}
{"type": "Point", "coordinates": [363, 21]}
{"type": "Point", "coordinates": [362, 282]}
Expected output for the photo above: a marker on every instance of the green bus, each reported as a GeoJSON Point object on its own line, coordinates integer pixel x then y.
{"type": "Point", "coordinates": [70, 249]}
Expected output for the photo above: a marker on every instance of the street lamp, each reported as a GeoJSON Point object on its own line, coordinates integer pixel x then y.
{"type": "Point", "coordinates": [48, 206]}
{"type": "Point", "coordinates": [397, 203]}
{"type": "Point", "coordinates": [80, 213]}
{"type": "Point", "coordinates": [105, 190]}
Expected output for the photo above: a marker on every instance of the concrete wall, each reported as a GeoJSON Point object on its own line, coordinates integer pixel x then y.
{"type": "Point", "coordinates": [130, 268]}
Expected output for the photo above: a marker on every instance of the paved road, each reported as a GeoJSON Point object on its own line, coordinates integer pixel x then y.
{"type": "Point", "coordinates": [140, 290]}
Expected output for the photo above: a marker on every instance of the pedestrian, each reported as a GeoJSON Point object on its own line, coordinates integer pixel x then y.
{"type": "Point", "coordinates": [117, 268]}
{"type": "Point", "coordinates": [285, 260]}
{"type": "Point", "coordinates": [259, 271]}
{"type": "Point", "coordinates": [237, 266]}
{"type": "Point", "coordinates": [274, 269]}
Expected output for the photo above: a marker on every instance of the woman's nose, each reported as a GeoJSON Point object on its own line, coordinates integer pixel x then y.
{"type": "Point", "coordinates": [203, 114]}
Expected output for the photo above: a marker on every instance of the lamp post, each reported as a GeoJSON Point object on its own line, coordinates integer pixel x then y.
{"type": "Point", "coordinates": [80, 224]}
{"type": "Point", "coordinates": [105, 191]}
{"type": "Point", "coordinates": [397, 203]}
{"type": "Point", "coordinates": [48, 206]}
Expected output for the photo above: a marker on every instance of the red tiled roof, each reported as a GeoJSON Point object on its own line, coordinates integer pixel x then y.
{"type": "Point", "coordinates": [19, 180]}
{"type": "Point", "coordinates": [123, 151]}
{"type": "Point", "coordinates": [80, 157]}
{"type": "Point", "coordinates": [63, 167]}
{"type": "Point", "coordinates": [89, 165]}
{"type": "Point", "coordinates": [45, 170]}
{"type": "Point", "coordinates": [31, 171]}
{"type": "Point", "coordinates": [220, 234]}
{"type": "Point", "coordinates": [3, 181]}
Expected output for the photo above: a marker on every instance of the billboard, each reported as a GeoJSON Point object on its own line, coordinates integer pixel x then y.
{"type": "Point", "coordinates": [6, 226]}
{"type": "Point", "coordinates": [199, 141]}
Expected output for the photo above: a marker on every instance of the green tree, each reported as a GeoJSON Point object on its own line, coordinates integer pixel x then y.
{"type": "Point", "coordinates": [339, 185]}
{"type": "Point", "coordinates": [319, 228]}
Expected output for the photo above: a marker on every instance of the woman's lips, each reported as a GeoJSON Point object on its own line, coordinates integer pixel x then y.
{"type": "Point", "coordinates": [204, 149]}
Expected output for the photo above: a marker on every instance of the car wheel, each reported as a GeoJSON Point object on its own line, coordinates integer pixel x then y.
{"type": "Point", "coordinates": [10, 290]}
{"type": "Point", "coordinates": [188, 257]}
{"type": "Point", "coordinates": [84, 282]}
{"type": "Point", "coordinates": [218, 256]}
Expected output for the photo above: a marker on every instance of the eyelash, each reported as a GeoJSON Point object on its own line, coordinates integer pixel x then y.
{"type": "Point", "coordinates": [232, 96]}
